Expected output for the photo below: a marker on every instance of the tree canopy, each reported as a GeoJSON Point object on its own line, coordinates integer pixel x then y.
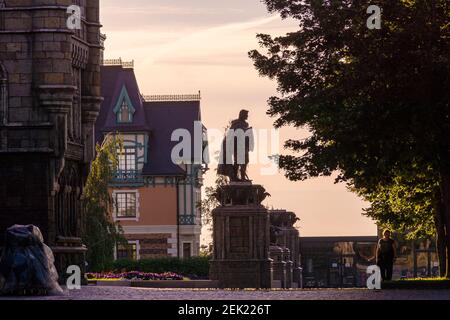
{"type": "Point", "coordinates": [376, 102]}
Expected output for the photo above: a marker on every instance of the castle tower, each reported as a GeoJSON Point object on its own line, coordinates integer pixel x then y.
{"type": "Point", "coordinates": [49, 101]}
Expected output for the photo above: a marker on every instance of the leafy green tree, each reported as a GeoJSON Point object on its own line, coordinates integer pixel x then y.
{"type": "Point", "coordinates": [405, 206]}
{"type": "Point", "coordinates": [101, 233]}
{"type": "Point", "coordinates": [210, 202]}
{"type": "Point", "coordinates": [375, 101]}
{"type": "Point", "coordinates": [410, 204]}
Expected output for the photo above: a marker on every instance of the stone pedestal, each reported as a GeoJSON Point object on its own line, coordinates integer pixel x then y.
{"type": "Point", "coordinates": [289, 267]}
{"type": "Point", "coordinates": [241, 238]}
{"type": "Point", "coordinates": [286, 236]}
{"type": "Point", "coordinates": [298, 276]}
{"type": "Point", "coordinates": [278, 265]}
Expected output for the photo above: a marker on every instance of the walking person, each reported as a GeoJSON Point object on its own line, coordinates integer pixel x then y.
{"type": "Point", "coordinates": [386, 254]}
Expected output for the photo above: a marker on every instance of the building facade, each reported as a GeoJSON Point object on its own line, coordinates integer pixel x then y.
{"type": "Point", "coordinates": [155, 198]}
{"type": "Point", "coordinates": [49, 100]}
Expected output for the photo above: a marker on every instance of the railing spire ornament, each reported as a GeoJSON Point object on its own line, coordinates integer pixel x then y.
{"type": "Point", "coordinates": [119, 62]}
{"type": "Point", "coordinates": [172, 97]}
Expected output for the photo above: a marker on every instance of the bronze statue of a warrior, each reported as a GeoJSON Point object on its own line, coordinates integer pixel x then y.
{"type": "Point", "coordinates": [236, 145]}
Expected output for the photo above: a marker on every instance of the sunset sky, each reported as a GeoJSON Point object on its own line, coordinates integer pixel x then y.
{"type": "Point", "coordinates": [183, 46]}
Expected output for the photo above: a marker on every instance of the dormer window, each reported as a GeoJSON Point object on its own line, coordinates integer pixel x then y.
{"type": "Point", "coordinates": [124, 109]}
{"type": "Point", "coordinates": [124, 115]}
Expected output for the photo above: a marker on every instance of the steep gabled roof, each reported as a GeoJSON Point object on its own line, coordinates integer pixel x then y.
{"type": "Point", "coordinates": [116, 79]}
{"type": "Point", "coordinates": [164, 118]}
{"type": "Point", "coordinates": [157, 118]}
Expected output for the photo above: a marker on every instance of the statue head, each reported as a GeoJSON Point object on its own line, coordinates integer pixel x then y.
{"type": "Point", "coordinates": [243, 115]}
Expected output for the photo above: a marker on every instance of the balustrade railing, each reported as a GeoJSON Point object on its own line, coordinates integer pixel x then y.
{"type": "Point", "coordinates": [119, 62]}
{"type": "Point", "coordinates": [172, 97]}
{"type": "Point", "coordinates": [123, 176]}
{"type": "Point", "coordinates": [187, 220]}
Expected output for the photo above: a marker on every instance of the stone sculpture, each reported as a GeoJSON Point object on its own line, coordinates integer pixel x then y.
{"type": "Point", "coordinates": [27, 264]}
{"type": "Point", "coordinates": [236, 145]}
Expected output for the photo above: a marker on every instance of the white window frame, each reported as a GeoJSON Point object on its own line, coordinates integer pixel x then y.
{"type": "Point", "coordinates": [122, 154]}
{"type": "Point", "coordinates": [115, 217]}
{"type": "Point", "coordinates": [182, 248]}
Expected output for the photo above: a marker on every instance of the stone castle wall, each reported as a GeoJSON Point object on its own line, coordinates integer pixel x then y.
{"type": "Point", "coordinates": [50, 97]}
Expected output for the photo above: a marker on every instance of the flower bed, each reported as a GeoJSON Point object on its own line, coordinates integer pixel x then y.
{"type": "Point", "coordinates": [133, 275]}
{"type": "Point", "coordinates": [194, 267]}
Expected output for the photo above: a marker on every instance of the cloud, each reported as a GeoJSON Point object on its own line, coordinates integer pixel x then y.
{"type": "Point", "coordinates": [224, 45]}
{"type": "Point", "coordinates": [161, 10]}
{"type": "Point", "coordinates": [174, 13]}
{"type": "Point", "coordinates": [209, 45]}
{"type": "Point", "coordinates": [229, 59]}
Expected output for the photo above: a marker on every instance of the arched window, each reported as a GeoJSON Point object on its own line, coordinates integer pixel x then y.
{"type": "Point", "coordinates": [3, 94]}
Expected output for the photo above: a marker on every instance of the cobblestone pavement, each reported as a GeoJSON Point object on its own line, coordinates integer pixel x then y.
{"type": "Point", "coordinates": [127, 293]}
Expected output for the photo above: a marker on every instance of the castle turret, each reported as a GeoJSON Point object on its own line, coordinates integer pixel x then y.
{"type": "Point", "coordinates": [49, 101]}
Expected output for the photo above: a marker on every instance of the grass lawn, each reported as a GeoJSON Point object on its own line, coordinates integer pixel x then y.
{"type": "Point", "coordinates": [425, 279]}
{"type": "Point", "coordinates": [417, 283]}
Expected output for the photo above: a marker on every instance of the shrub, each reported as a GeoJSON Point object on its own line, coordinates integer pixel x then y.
{"type": "Point", "coordinates": [195, 267]}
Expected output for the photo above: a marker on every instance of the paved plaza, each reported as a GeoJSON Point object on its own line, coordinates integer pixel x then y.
{"type": "Point", "coordinates": [128, 293]}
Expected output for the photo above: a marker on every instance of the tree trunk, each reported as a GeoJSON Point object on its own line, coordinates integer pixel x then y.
{"type": "Point", "coordinates": [440, 236]}
{"type": "Point", "coordinates": [445, 191]}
